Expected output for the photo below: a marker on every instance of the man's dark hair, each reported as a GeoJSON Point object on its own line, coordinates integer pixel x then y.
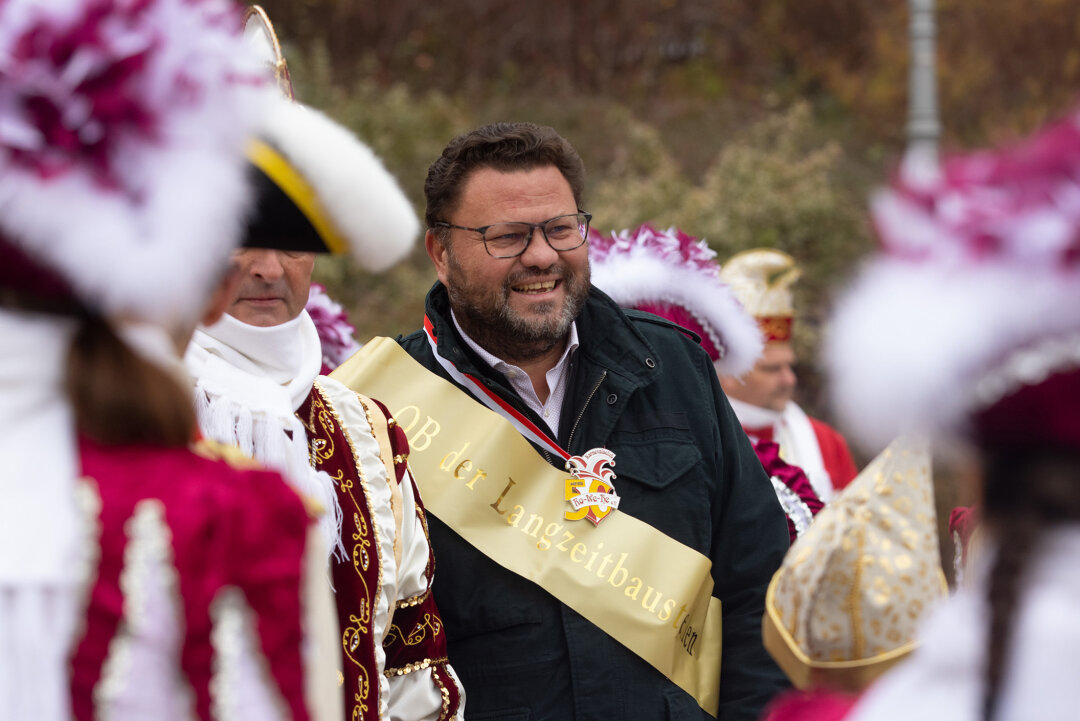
{"type": "Point", "coordinates": [504, 147]}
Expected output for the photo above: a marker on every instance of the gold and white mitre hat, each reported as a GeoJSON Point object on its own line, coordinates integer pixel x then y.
{"type": "Point", "coordinates": [761, 279]}
{"type": "Point", "coordinates": [848, 598]}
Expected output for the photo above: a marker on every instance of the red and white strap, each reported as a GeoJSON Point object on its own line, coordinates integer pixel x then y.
{"type": "Point", "coordinates": [479, 391]}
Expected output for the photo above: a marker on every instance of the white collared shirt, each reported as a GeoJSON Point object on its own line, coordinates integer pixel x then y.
{"type": "Point", "coordinates": [557, 378]}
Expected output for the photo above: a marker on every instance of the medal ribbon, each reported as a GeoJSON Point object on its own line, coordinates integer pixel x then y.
{"type": "Point", "coordinates": [490, 399]}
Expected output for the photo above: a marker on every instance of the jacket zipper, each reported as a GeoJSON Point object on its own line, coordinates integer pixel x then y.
{"type": "Point", "coordinates": [581, 413]}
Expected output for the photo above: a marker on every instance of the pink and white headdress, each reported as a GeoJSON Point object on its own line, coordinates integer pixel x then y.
{"type": "Point", "coordinates": [337, 334]}
{"type": "Point", "coordinates": [674, 275]}
{"type": "Point", "coordinates": [969, 318]}
{"type": "Point", "coordinates": [123, 125]}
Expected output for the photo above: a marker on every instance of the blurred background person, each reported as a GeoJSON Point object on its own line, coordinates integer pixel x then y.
{"type": "Point", "coordinates": [675, 276]}
{"type": "Point", "coordinates": [848, 599]}
{"type": "Point", "coordinates": [967, 324]}
{"type": "Point", "coordinates": [763, 397]}
{"type": "Point", "coordinates": [137, 578]}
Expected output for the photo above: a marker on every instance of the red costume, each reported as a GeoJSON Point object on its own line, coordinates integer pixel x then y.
{"type": "Point", "coordinates": [386, 565]}
{"type": "Point", "coordinates": [812, 445]}
{"type": "Point", "coordinates": [810, 706]}
{"type": "Point", "coordinates": [793, 489]}
{"type": "Point", "coordinates": [192, 555]}
{"type": "Point", "coordinates": [834, 453]}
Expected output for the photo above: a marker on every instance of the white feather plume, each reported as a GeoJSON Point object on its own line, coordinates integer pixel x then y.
{"type": "Point", "coordinates": [176, 205]}
{"type": "Point", "coordinates": [359, 195]}
{"type": "Point", "coordinates": [634, 273]}
{"type": "Point", "coordinates": [910, 340]}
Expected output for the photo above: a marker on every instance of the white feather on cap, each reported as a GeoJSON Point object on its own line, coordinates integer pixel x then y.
{"type": "Point", "coordinates": [122, 133]}
{"type": "Point", "coordinates": [980, 262]}
{"type": "Point", "coordinates": [360, 198]}
{"type": "Point", "coordinates": [647, 266]}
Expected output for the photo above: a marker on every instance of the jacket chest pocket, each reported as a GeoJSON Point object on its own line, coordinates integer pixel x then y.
{"type": "Point", "coordinates": [663, 479]}
{"type": "Point", "coordinates": [654, 450]}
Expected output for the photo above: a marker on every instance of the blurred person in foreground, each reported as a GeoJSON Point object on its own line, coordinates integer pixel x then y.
{"type": "Point", "coordinates": [967, 324]}
{"type": "Point", "coordinates": [257, 386]}
{"type": "Point", "coordinates": [675, 276]}
{"type": "Point", "coordinates": [571, 588]}
{"type": "Point", "coordinates": [137, 578]}
{"type": "Point", "coordinates": [848, 600]}
{"type": "Point", "coordinates": [763, 398]}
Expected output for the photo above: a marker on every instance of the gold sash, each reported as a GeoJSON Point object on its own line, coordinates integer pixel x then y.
{"type": "Point", "coordinates": [480, 477]}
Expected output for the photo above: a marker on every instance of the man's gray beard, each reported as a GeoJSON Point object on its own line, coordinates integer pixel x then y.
{"type": "Point", "coordinates": [511, 337]}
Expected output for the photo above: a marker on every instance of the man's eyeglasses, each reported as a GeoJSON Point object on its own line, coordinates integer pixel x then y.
{"type": "Point", "coordinates": [509, 240]}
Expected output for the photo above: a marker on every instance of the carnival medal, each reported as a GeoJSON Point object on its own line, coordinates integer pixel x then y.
{"type": "Point", "coordinates": [589, 489]}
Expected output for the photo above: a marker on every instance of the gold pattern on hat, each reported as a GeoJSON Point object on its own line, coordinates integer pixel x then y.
{"type": "Point", "coordinates": [761, 279]}
{"type": "Point", "coordinates": [846, 602]}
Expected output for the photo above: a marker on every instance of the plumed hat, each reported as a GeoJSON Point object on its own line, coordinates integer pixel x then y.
{"type": "Point", "coordinates": [968, 319]}
{"type": "Point", "coordinates": [845, 604]}
{"type": "Point", "coordinates": [123, 126]}
{"type": "Point", "coordinates": [761, 279]}
{"type": "Point", "coordinates": [675, 276]}
{"type": "Point", "coordinates": [318, 187]}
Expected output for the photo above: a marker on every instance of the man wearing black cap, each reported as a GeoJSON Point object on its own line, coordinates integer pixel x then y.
{"type": "Point", "coordinates": [257, 386]}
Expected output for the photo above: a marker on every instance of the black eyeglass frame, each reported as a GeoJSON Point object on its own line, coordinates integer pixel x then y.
{"type": "Point", "coordinates": [482, 230]}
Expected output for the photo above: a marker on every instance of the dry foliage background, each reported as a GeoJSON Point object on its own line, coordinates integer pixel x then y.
{"type": "Point", "coordinates": [763, 123]}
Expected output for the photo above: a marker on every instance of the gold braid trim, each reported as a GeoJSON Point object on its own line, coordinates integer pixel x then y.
{"type": "Point", "coordinates": [414, 667]}
{"type": "Point", "coordinates": [381, 433]}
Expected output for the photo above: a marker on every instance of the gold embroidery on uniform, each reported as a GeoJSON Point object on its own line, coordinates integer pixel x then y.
{"type": "Point", "coordinates": [416, 666]}
{"type": "Point", "coordinates": [429, 622]}
{"type": "Point", "coordinates": [229, 453]}
{"type": "Point", "coordinates": [324, 416]}
{"type": "Point", "coordinates": [444, 692]}
{"type": "Point", "coordinates": [414, 600]}
{"type": "Point", "coordinates": [382, 438]}
{"type": "Point", "coordinates": [429, 570]}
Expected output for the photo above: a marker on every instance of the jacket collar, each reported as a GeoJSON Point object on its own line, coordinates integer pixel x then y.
{"type": "Point", "coordinates": [608, 339]}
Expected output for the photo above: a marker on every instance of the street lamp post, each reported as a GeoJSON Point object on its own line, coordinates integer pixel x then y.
{"type": "Point", "coordinates": [923, 128]}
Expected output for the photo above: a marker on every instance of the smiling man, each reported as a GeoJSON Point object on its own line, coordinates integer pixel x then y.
{"type": "Point", "coordinates": [514, 322]}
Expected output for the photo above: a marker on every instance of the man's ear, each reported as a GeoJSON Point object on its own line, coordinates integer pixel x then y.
{"type": "Point", "coordinates": [438, 251]}
{"type": "Point", "coordinates": [223, 296]}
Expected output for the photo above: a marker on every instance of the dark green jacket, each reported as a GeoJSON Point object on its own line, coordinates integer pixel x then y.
{"type": "Point", "coordinates": [647, 391]}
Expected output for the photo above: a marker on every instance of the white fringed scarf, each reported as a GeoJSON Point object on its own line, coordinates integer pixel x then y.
{"type": "Point", "coordinates": [249, 381]}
